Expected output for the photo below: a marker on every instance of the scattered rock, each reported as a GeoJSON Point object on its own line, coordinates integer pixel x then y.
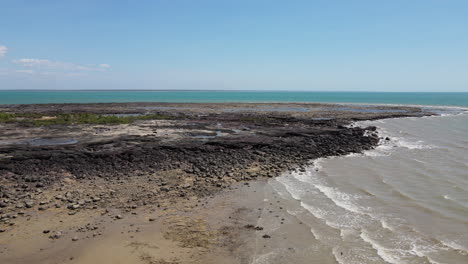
{"type": "Point", "coordinates": [73, 206]}
{"type": "Point", "coordinates": [57, 235]}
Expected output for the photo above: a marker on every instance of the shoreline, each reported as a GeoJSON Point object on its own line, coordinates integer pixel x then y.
{"type": "Point", "coordinates": [311, 103]}
{"type": "Point", "coordinates": [118, 173]}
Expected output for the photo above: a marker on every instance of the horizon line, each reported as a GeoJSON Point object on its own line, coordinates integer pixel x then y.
{"type": "Point", "coordinates": [218, 90]}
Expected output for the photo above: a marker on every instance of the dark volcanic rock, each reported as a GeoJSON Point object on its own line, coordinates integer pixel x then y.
{"type": "Point", "coordinates": [272, 144]}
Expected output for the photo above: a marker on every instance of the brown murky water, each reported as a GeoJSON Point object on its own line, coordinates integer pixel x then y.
{"type": "Point", "coordinates": [404, 202]}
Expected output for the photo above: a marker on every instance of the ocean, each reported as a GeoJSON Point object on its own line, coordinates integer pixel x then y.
{"type": "Point", "coordinates": [43, 97]}
{"type": "Point", "coordinates": [404, 202]}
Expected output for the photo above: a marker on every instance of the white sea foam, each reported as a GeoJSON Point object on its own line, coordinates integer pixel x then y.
{"type": "Point", "coordinates": [405, 246]}
{"type": "Point", "coordinates": [384, 253]}
{"type": "Point", "coordinates": [404, 143]}
{"type": "Point", "coordinates": [294, 192]}
{"type": "Point", "coordinates": [447, 197]}
{"type": "Point", "coordinates": [264, 258]}
{"type": "Point", "coordinates": [386, 225]}
{"type": "Point", "coordinates": [347, 222]}
{"type": "Point", "coordinates": [454, 245]}
{"type": "Point", "coordinates": [320, 214]}
{"type": "Point", "coordinates": [387, 147]}
{"type": "Point", "coordinates": [391, 232]}
{"type": "Point", "coordinates": [315, 234]}
{"type": "Point", "coordinates": [455, 201]}
{"type": "Point", "coordinates": [295, 213]}
{"type": "Point", "coordinates": [341, 199]}
{"type": "Point", "coordinates": [422, 252]}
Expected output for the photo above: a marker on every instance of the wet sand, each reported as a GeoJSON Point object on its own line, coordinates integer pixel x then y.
{"type": "Point", "coordinates": [217, 229]}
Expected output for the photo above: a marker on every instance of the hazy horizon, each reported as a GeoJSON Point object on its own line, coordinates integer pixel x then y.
{"type": "Point", "coordinates": [225, 90]}
{"type": "Point", "coordinates": [363, 46]}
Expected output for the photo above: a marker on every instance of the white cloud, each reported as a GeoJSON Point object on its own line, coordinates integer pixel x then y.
{"type": "Point", "coordinates": [3, 51]}
{"type": "Point", "coordinates": [26, 71]}
{"type": "Point", "coordinates": [32, 62]}
{"type": "Point", "coordinates": [75, 74]}
{"type": "Point", "coordinates": [58, 65]}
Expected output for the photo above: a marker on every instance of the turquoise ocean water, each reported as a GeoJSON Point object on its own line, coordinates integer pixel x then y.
{"type": "Point", "coordinates": [42, 97]}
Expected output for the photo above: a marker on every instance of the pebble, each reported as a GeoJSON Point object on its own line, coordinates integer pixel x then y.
{"type": "Point", "coordinates": [57, 235]}
{"type": "Point", "coordinates": [29, 204]}
{"type": "Point", "coordinates": [73, 206]}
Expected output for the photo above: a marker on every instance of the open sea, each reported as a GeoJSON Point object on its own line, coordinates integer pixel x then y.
{"type": "Point", "coordinates": [405, 202]}
{"type": "Point", "coordinates": [43, 97]}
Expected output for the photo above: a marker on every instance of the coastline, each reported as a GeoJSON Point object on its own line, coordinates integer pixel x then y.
{"type": "Point", "coordinates": [124, 178]}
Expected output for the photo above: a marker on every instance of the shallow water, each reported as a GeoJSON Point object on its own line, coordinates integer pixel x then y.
{"type": "Point", "coordinates": [51, 141]}
{"type": "Point", "coordinates": [43, 97]}
{"type": "Point", "coordinates": [282, 109]}
{"type": "Point", "coordinates": [365, 110]}
{"type": "Point", "coordinates": [404, 202]}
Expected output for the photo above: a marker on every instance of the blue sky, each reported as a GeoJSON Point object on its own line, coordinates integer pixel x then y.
{"type": "Point", "coordinates": [330, 45]}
